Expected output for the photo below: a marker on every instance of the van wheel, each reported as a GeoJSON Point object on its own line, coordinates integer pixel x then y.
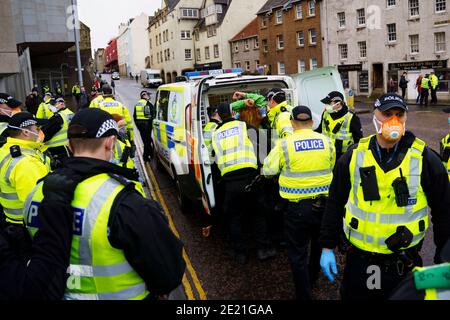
{"type": "Point", "coordinates": [183, 201]}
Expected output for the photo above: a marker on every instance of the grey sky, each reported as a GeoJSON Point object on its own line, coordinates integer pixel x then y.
{"type": "Point", "coordinates": [104, 16]}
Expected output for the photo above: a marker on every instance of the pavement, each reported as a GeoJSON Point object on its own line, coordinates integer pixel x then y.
{"type": "Point", "coordinates": [367, 106]}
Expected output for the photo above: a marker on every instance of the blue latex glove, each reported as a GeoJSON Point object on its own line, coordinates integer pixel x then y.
{"type": "Point", "coordinates": [328, 264]}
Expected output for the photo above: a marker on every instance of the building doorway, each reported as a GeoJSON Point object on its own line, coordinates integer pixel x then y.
{"type": "Point", "coordinates": [377, 81]}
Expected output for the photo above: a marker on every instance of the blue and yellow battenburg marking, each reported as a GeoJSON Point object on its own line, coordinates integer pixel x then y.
{"type": "Point", "coordinates": [162, 133]}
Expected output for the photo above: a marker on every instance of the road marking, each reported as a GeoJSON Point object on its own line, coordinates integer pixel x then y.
{"type": "Point", "coordinates": [190, 268]}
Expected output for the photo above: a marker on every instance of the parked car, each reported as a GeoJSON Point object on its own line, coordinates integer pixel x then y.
{"type": "Point", "coordinates": [115, 76]}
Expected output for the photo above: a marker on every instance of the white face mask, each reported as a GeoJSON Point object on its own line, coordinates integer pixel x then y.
{"type": "Point", "coordinates": [330, 107]}
{"type": "Point", "coordinates": [377, 124]}
{"type": "Point", "coordinates": [38, 135]}
{"type": "Point", "coordinates": [6, 113]}
{"type": "Point", "coordinates": [53, 108]}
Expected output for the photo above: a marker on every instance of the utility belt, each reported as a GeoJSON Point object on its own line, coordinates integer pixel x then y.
{"type": "Point", "coordinates": [318, 202]}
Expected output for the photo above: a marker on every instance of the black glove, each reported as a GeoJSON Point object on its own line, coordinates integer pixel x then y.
{"type": "Point", "coordinates": [133, 150]}
{"type": "Point", "coordinates": [59, 187]}
{"type": "Point", "coordinates": [19, 241]}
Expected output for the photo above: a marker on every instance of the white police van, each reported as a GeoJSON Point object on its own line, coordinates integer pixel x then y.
{"type": "Point", "coordinates": [181, 116]}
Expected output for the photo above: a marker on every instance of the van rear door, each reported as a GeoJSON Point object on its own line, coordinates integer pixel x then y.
{"type": "Point", "coordinates": [313, 86]}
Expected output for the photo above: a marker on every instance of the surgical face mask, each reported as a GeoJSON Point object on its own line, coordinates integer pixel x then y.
{"type": "Point", "coordinates": [10, 112]}
{"type": "Point", "coordinates": [330, 108]}
{"type": "Point", "coordinates": [39, 136]}
{"type": "Point", "coordinates": [392, 129]}
{"type": "Point", "coordinates": [53, 108]}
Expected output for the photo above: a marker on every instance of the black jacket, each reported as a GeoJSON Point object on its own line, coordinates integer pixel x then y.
{"type": "Point", "coordinates": [52, 127]}
{"type": "Point", "coordinates": [434, 181]}
{"type": "Point", "coordinates": [355, 127]}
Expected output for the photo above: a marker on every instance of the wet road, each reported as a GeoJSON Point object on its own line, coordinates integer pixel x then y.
{"type": "Point", "coordinates": [211, 271]}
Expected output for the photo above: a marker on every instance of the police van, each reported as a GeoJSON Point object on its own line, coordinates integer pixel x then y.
{"type": "Point", "coordinates": [181, 115]}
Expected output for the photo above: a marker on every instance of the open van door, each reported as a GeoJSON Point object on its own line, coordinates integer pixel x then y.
{"type": "Point", "coordinates": [313, 86]}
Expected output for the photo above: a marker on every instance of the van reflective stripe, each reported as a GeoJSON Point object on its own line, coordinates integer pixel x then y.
{"type": "Point", "coordinates": [9, 196]}
{"type": "Point", "coordinates": [124, 294]}
{"type": "Point", "coordinates": [92, 211]}
{"type": "Point", "coordinates": [101, 271]}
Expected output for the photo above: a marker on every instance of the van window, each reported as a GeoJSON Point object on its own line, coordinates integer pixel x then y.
{"type": "Point", "coordinates": [175, 107]}
{"type": "Point", "coordinates": [153, 76]}
{"type": "Point", "coordinates": [163, 104]}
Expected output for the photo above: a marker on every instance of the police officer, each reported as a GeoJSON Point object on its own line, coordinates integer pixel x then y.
{"type": "Point", "coordinates": [143, 118]}
{"type": "Point", "coordinates": [56, 131]}
{"type": "Point", "coordinates": [124, 153]}
{"type": "Point", "coordinates": [305, 160]}
{"type": "Point", "coordinates": [445, 152]}
{"type": "Point", "coordinates": [339, 124]}
{"type": "Point", "coordinates": [97, 98]}
{"type": "Point", "coordinates": [22, 164]}
{"type": "Point", "coordinates": [122, 245]}
{"type": "Point", "coordinates": [76, 92]}
{"type": "Point", "coordinates": [238, 166]}
{"type": "Point", "coordinates": [113, 106]}
{"type": "Point", "coordinates": [45, 108]}
{"type": "Point", "coordinates": [425, 91]}
{"type": "Point", "coordinates": [279, 112]}
{"type": "Point", "coordinates": [382, 188]}
{"type": "Point", "coordinates": [211, 126]}
{"type": "Point", "coordinates": [8, 107]}
{"type": "Point", "coordinates": [58, 90]}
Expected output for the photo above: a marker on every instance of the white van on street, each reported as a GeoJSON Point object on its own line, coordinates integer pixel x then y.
{"type": "Point", "coordinates": [181, 115]}
{"type": "Point", "coordinates": [151, 78]}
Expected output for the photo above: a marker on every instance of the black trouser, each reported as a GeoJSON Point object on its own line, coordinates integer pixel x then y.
{"type": "Point", "coordinates": [145, 130]}
{"type": "Point", "coordinates": [433, 96]}
{"type": "Point", "coordinates": [239, 204]}
{"type": "Point", "coordinates": [357, 273]}
{"type": "Point", "coordinates": [403, 92]}
{"type": "Point", "coordinates": [424, 97]}
{"type": "Point", "coordinates": [302, 227]}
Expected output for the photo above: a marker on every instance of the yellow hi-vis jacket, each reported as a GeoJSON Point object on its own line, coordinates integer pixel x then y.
{"type": "Point", "coordinates": [280, 119]}
{"type": "Point", "coordinates": [95, 103]}
{"type": "Point", "coordinates": [140, 111]}
{"type": "Point", "coordinates": [445, 145]}
{"type": "Point", "coordinates": [115, 107]}
{"type": "Point", "coordinates": [60, 139]}
{"type": "Point", "coordinates": [97, 270]}
{"type": "Point", "coordinates": [367, 224]}
{"type": "Point", "coordinates": [43, 111]}
{"type": "Point", "coordinates": [208, 132]}
{"type": "Point", "coordinates": [305, 162]}
{"type": "Point", "coordinates": [338, 129]}
{"type": "Point", "coordinates": [233, 148]}
{"type": "Point", "coordinates": [18, 176]}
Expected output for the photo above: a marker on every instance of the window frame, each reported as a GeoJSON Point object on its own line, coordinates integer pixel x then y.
{"type": "Point", "coordinates": [311, 43]}
{"type": "Point", "coordinates": [280, 36]}
{"type": "Point", "coordinates": [190, 54]}
{"type": "Point", "coordinates": [340, 25]}
{"type": "Point", "coordinates": [343, 51]}
{"type": "Point", "coordinates": [389, 33]}
{"type": "Point", "coordinates": [311, 8]}
{"type": "Point", "coordinates": [360, 17]}
{"type": "Point", "coordinates": [443, 43]}
{"type": "Point", "coordinates": [279, 18]}
{"type": "Point", "coordinates": [416, 8]}
{"type": "Point", "coordinates": [297, 11]}
{"type": "Point", "coordinates": [362, 46]}
{"type": "Point", "coordinates": [311, 63]}
{"type": "Point", "coordinates": [279, 63]}
{"type": "Point", "coordinates": [299, 66]}
{"type": "Point", "coordinates": [302, 33]}
{"type": "Point", "coordinates": [415, 36]}
{"type": "Point", "coordinates": [440, 3]}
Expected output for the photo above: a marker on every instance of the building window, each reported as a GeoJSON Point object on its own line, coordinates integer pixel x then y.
{"type": "Point", "coordinates": [157, 57]}
{"type": "Point", "coordinates": [198, 54]}
{"type": "Point", "coordinates": [298, 11]}
{"type": "Point", "coordinates": [219, 8]}
{"type": "Point", "coordinates": [414, 43]}
{"type": "Point", "coordinates": [313, 63]}
{"type": "Point", "coordinates": [257, 64]}
{"type": "Point", "coordinates": [364, 81]}
{"type": "Point", "coordinates": [185, 34]}
{"type": "Point", "coordinates": [246, 45]}
{"type": "Point", "coordinates": [392, 33]}
{"type": "Point", "coordinates": [300, 38]}
{"type": "Point", "coordinates": [439, 39]}
{"type": "Point", "coordinates": [361, 17]}
{"type": "Point", "coordinates": [237, 64]}
{"type": "Point", "coordinates": [341, 20]}
{"type": "Point", "coordinates": [390, 3]}
{"type": "Point", "coordinates": [265, 46]}
{"type": "Point", "coordinates": [281, 68]}
{"type": "Point", "coordinates": [280, 41]}
{"type": "Point", "coordinates": [301, 66]}
{"type": "Point", "coordinates": [211, 31]}
{"type": "Point", "coordinates": [312, 8]}
{"type": "Point", "coordinates": [343, 51]}
{"type": "Point", "coordinates": [216, 51]}
{"type": "Point", "coordinates": [441, 6]}
{"type": "Point", "coordinates": [256, 43]}
{"type": "Point", "coordinates": [187, 54]}
{"type": "Point", "coordinates": [189, 13]}
{"type": "Point", "coordinates": [362, 49]}
{"type": "Point", "coordinates": [312, 36]}
{"type": "Point", "coordinates": [236, 46]}
{"type": "Point", "coordinates": [207, 53]}
{"type": "Point", "coordinates": [247, 65]}
{"type": "Point", "coordinates": [279, 16]}
{"type": "Point", "coordinates": [150, 43]}
{"type": "Point", "coordinates": [413, 6]}
{"type": "Point", "coordinates": [264, 21]}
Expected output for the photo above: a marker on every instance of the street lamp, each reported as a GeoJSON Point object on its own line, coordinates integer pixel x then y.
{"type": "Point", "coordinates": [76, 31]}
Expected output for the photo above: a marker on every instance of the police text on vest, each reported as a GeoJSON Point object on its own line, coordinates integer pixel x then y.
{"type": "Point", "coordinates": [308, 145]}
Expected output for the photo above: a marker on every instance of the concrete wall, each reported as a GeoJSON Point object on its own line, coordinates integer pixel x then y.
{"type": "Point", "coordinates": [139, 43]}
{"type": "Point", "coordinates": [9, 61]}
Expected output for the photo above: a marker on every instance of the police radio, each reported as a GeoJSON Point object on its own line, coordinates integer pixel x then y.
{"type": "Point", "coordinates": [15, 151]}
{"type": "Point", "coordinates": [401, 190]}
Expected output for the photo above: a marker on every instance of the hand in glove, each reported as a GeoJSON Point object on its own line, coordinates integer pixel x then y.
{"type": "Point", "coordinates": [328, 264]}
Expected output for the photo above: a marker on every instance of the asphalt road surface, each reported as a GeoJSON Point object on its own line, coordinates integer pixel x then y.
{"type": "Point", "coordinates": [211, 271]}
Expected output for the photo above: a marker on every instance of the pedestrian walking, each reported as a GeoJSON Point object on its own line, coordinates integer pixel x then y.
{"type": "Point", "coordinates": [403, 84]}
{"type": "Point", "coordinates": [418, 86]}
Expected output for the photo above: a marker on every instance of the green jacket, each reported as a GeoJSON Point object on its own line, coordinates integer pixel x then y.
{"type": "Point", "coordinates": [260, 101]}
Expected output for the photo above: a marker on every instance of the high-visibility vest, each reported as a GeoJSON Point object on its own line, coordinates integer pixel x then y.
{"type": "Point", "coordinates": [9, 197]}
{"type": "Point", "coordinates": [434, 81]}
{"type": "Point", "coordinates": [338, 129]}
{"type": "Point", "coordinates": [76, 89]}
{"type": "Point", "coordinates": [115, 107]}
{"type": "Point", "coordinates": [142, 110]}
{"type": "Point", "coordinates": [280, 120]}
{"type": "Point", "coordinates": [425, 83]}
{"type": "Point", "coordinates": [445, 142]}
{"type": "Point", "coordinates": [97, 270]}
{"type": "Point", "coordinates": [233, 148]}
{"type": "Point", "coordinates": [60, 139]}
{"type": "Point", "coordinates": [308, 164]}
{"type": "Point", "coordinates": [208, 131]}
{"type": "Point", "coordinates": [95, 103]}
{"type": "Point", "coordinates": [434, 280]}
{"type": "Point", "coordinates": [119, 150]}
{"type": "Point", "coordinates": [43, 111]}
{"type": "Point", "coordinates": [367, 224]}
